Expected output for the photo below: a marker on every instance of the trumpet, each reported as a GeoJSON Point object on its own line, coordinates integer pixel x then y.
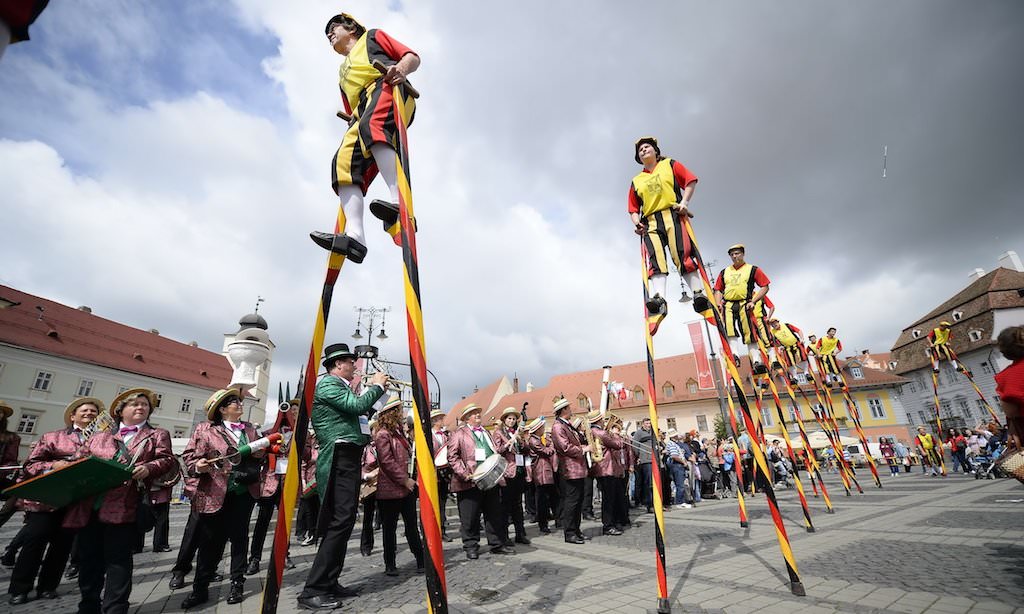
{"type": "Point", "coordinates": [393, 382]}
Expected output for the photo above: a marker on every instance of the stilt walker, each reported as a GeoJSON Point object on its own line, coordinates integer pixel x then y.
{"type": "Point", "coordinates": [932, 453]}
{"type": "Point", "coordinates": [664, 605]}
{"type": "Point", "coordinates": [795, 585]}
{"type": "Point", "coordinates": [970, 377]}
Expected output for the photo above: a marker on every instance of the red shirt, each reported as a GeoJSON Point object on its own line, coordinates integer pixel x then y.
{"type": "Point", "coordinates": [683, 177]}
{"type": "Point", "coordinates": [1010, 383]}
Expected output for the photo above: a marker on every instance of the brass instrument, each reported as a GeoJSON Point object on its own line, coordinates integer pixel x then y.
{"type": "Point", "coordinates": [170, 478]}
{"type": "Point", "coordinates": [102, 422]}
{"type": "Point", "coordinates": [596, 447]}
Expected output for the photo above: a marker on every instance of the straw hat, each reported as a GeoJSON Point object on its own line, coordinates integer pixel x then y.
{"type": "Point", "coordinates": [130, 394]}
{"type": "Point", "coordinates": [393, 403]}
{"type": "Point", "coordinates": [508, 411]}
{"type": "Point", "coordinates": [73, 405]}
{"type": "Point", "coordinates": [437, 413]}
{"type": "Point", "coordinates": [534, 424]}
{"type": "Point", "coordinates": [467, 410]}
{"type": "Point", "coordinates": [594, 416]}
{"type": "Point", "coordinates": [738, 246]}
{"type": "Point", "coordinates": [559, 405]}
{"type": "Point", "coordinates": [218, 398]}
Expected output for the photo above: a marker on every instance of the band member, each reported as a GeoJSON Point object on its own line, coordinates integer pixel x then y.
{"type": "Point", "coordinates": [444, 474]}
{"type": "Point", "coordinates": [571, 447]}
{"type": "Point", "coordinates": [938, 346]}
{"type": "Point", "coordinates": [10, 443]}
{"type": "Point", "coordinates": [470, 445]}
{"type": "Point", "coordinates": [106, 524]}
{"type": "Point", "coordinates": [224, 495]}
{"type": "Point", "coordinates": [271, 481]}
{"type": "Point", "coordinates": [791, 340]}
{"type": "Point", "coordinates": [659, 198]}
{"type": "Point", "coordinates": [626, 457]}
{"type": "Point", "coordinates": [396, 489]}
{"type": "Point", "coordinates": [739, 303]}
{"type": "Point", "coordinates": [368, 492]}
{"type": "Point", "coordinates": [511, 443]}
{"type": "Point", "coordinates": [543, 470]}
{"type": "Point", "coordinates": [608, 472]}
{"type": "Point", "coordinates": [42, 530]}
{"type": "Point", "coordinates": [370, 142]}
{"type": "Point", "coordinates": [309, 504]}
{"type": "Point", "coordinates": [826, 349]}
{"type": "Point", "coordinates": [340, 419]}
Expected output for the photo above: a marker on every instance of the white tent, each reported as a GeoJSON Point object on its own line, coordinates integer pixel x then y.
{"type": "Point", "coordinates": [819, 440]}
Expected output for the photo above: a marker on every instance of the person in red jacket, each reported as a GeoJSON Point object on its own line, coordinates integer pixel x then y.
{"type": "Point", "coordinates": [1010, 383]}
{"type": "Point", "coordinates": [396, 488]}
{"type": "Point", "coordinates": [543, 470]}
{"type": "Point", "coordinates": [608, 471]}
{"type": "Point", "coordinates": [512, 444]}
{"type": "Point", "coordinates": [658, 200]}
{"type": "Point", "coordinates": [573, 453]}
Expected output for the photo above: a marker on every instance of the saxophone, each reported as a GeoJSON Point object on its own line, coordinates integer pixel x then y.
{"type": "Point", "coordinates": [596, 448]}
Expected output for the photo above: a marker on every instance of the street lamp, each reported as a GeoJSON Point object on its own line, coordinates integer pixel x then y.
{"type": "Point", "coordinates": [371, 313]}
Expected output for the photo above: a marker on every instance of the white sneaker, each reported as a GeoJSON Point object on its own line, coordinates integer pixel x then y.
{"type": "Point", "coordinates": [685, 506]}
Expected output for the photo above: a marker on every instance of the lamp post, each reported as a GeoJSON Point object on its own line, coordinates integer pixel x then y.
{"type": "Point", "coordinates": [371, 314]}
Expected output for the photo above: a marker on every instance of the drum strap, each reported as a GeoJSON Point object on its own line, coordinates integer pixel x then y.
{"type": "Point", "coordinates": [482, 441]}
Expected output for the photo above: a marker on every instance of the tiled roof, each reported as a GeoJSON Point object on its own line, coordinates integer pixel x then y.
{"type": "Point", "coordinates": [978, 301]}
{"type": "Point", "coordinates": [485, 397]}
{"type": "Point", "coordinates": [79, 335]}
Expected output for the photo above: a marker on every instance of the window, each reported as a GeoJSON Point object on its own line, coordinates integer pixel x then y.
{"type": "Point", "coordinates": [801, 378]}
{"type": "Point", "coordinates": [792, 412]}
{"type": "Point", "coordinates": [923, 416]}
{"type": "Point", "coordinates": [974, 335]}
{"type": "Point", "coordinates": [27, 424]}
{"type": "Point", "coordinates": [85, 388]}
{"type": "Point", "coordinates": [702, 423]}
{"type": "Point", "coordinates": [186, 405]}
{"type": "Point", "coordinates": [159, 399]}
{"type": "Point", "coordinates": [957, 316]}
{"type": "Point", "coordinates": [179, 431]}
{"type": "Point", "coordinates": [638, 394]}
{"type": "Point", "coordinates": [766, 416]}
{"type": "Point", "coordinates": [691, 387]}
{"type": "Point", "coordinates": [581, 401]}
{"type": "Point", "coordinates": [857, 372]}
{"type": "Point", "coordinates": [819, 411]}
{"type": "Point", "coordinates": [912, 386]}
{"type": "Point", "coordinates": [43, 381]}
{"type": "Point", "coordinates": [121, 389]}
{"type": "Point", "coordinates": [916, 334]}
{"type": "Point", "coordinates": [910, 418]}
{"type": "Point", "coordinates": [875, 404]}
{"type": "Point", "coordinates": [670, 423]}
{"type": "Point", "coordinates": [945, 407]}
{"type": "Point", "coordinates": [986, 368]}
{"type": "Point", "coordinates": [965, 409]}
{"type": "Point", "coordinates": [668, 390]}
{"type": "Point", "coordinates": [982, 410]}
{"type": "Point", "coordinates": [892, 364]}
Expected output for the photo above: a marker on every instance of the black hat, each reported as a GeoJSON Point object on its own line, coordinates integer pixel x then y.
{"type": "Point", "coordinates": [334, 351]}
{"type": "Point", "coordinates": [645, 139]}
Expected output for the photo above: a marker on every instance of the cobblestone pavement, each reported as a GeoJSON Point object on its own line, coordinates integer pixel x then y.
{"type": "Point", "coordinates": [921, 544]}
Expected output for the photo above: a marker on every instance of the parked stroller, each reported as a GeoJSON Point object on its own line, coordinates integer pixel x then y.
{"type": "Point", "coordinates": [710, 484]}
{"type": "Point", "coordinates": [985, 463]}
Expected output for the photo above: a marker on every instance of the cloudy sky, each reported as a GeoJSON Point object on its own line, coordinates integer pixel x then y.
{"type": "Point", "coordinates": [164, 162]}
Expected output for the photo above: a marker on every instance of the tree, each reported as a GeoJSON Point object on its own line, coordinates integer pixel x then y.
{"type": "Point", "coordinates": [720, 431]}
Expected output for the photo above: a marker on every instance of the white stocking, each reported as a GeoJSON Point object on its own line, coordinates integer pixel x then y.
{"type": "Point", "coordinates": [659, 284]}
{"type": "Point", "coordinates": [694, 282]}
{"type": "Point", "coordinates": [352, 204]}
{"type": "Point", "coordinates": [386, 160]}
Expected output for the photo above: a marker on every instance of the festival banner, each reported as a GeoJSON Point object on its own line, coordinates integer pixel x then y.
{"type": "Point", "coordinates": [704, 379]}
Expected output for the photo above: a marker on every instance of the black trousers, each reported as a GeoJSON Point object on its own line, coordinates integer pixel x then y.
{"type": "Point", "coordinates": [105, 552]}
{"type": "Point", "coordinates": [644, 496]}
{"type": "Point", "coordinates": [366, 536]}
{"type": "Point", "coordinates": [620, 517]}
{"type": "Point", "coordinates": [442, 497]}
{"type": "Point", "coordinates": [572, 506]}
{"type": "Point", "coordinates": [390, 510]}
{"type": "Point", "coordinates": [41, 534]}
{"type": "Point", "coordinates": [266, 506]}
{"type": "Point", "coordinates": [162, 528]}
{"type": "Point", "coordinates": [7, 510]}
{"type": "Point", "coordinates": [530, 500]}
{"type": "Point", "coordinates": [512, 501]}
{"type": "Point", "coordinates": [588, 496]}
{"type": "Point", "coordinates": [228, 524]}
{"type": "Point", "coordinates": [305, 524]}
{"type": "Point", "coordinates": [547, 504]}
{"type": "Point", "coordinates": [472, 503]}
{"type": "Point", "coordinates": [613, 502]}
{"type": "Point", "coordinates": [343, 496]}
{"type": "Point", "coordinates": [189, 545]}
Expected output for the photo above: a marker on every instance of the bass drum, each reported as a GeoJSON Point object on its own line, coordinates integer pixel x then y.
{"type": "Point", "coordinates": [489, 472]}
{"type": "Point", "coordinates": [441, 458]}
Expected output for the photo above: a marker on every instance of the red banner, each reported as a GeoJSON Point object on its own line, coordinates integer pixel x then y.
{"type": "Point", "coordinates": [704, 379]}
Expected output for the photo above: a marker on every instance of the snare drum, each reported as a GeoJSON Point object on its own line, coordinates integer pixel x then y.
{"type": "Point", "coordinates": [489, 472]}
{"type": "Point", "coordinates": [441, 457]}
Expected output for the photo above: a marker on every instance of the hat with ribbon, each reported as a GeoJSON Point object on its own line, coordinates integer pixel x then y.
{"type": "Point", "coordinates": [73, 405]}
{"type": "Point", "coordinates": [469, 409]}
{"type": "Point", "coordinates": [335, 351]}
{"type": "Point", "coordinates": [122, 399]}
{"type": "Point", "coordinates": [559, 405]}
{"type": "Point", "coordinates": [219, 399]}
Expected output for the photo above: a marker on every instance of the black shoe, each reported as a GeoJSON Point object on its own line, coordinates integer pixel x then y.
{"type": "Point", "coordinates": [589, 517]}
{"type": "Point", "coordinates": [736, 361]}
{"type": "Point", "coordinates": [503, 550]}
{"type": "Point", "coordinates": [319, 602]}
{"type": "Point", "coordinates": [288, 563]}
{"type": "Point", "coordinates": [340, 244]}
{"type": "Point", "coordinates": [657, 305]}
{"type": "Point", "coordinates": [365, 551]}
{"type": "Point", "coordinates": [9, 558]}
{"type": "Point", "coordinates": [583, 536]}
{"type": "Point", "coordinates": [522, 539]}
{"type": "Point", "coordinates": [391, 571]}
{"type": "Point", "coordinates": [793, 382]}
{"type": "Point", "coordinates": [47, 595]}
{"type": "Point", "coordinates": [545, 531]}
{"type": "Point", "coordinates": [760, 369]}
{"type": "Point", "coordinates": [472, 555]}
{"type": "Point", "coordinates": [574, 539]}
{"type": "Point", "coordinates": [420, 568]}
{"type": "Point", "coordinates": [235, 596]}
{"type": "Point", "coordinates": [253, 568]}
{"type": "Point", "coordinates": [701, 303]}
{"type": "Point", "coordinates": [217, 578]}
{"type": "Point", "coordinates": [162, 549]}
{"type": "Point", "coordinates": [308, 540]}
{"type": "Point", "coordinates": [18, 599]}
{"type": "Point", "coordinates": [776, 365]}
{"type": "Point", "coordinates": [388, 213]}
{"type": "Point", "coordinates": [612, 531]}
{"type": "Point", "coordinates": [344, 591]}
{"type": "Point", "coordinates": [195, 598]}
{"type": "Point", "coordinates": [650, 510]}
{"type": "Point", "coordinates": [177, 580]}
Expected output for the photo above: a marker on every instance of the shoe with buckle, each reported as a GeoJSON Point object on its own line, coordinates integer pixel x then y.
{"type": "Point", "coordinates": [341, 590]}
{"type": "Point", "coordinates": [388, 213]}
{"type": "Point", "coordinates": [319, 602]}
{"type": "Point", "coordinates": [340, 244]}
{"type": "Point", "coordinates": [235, 595]}
{"type": "Point", "coordinates": [574, 539]}
{"type": "Point", "coordinates": [195, 598]}
{"type": "Point", "coordinates": [253, 568]}
{"type": "Point", "coordinates": [657, 305]}
{"type": "Point", "coordinates": [177, 580]}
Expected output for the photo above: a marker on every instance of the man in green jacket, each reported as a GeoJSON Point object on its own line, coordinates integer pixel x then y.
{"type": "Point", "coordinates": [342, 430]}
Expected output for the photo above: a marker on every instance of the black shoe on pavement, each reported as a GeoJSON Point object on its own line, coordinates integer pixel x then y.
{"type": "Point", "coordinates": [195, 598]}
{"type": "Point", "coordinates": [650, 510]}
{"type": "Point", "coordinates": [545, 531]}
{"type": "Point", "coordinates": [18, 599]}
{"type": "Point", "coordinates": [344, 591]}
{"type": "Point", "coordinates": [612, 531]}
{"type": "Point", "coordinates": [589, 517]}
{"type": "Point", "coordinates": [319, 602]}
{"type": "Point", "coordinates": [391, 571]}
{"type": "Point", "coordinates": [574, 539]}
{"type": "Point", "coordinates": [522, 539]}
{"type": "Point", "coordinates": [365, 551]}
{"type": "Point", "coordinates": [235, 596]}
{"type": "Point", "coordinates": [583, 536]}
{"type": "Point", "coordinates": [472, 555]}
{"type": "Point", "coordinates": [217, 577]}
{"type": "Point", "coordinates": [162, 549]}
{"type": "Point", "coordinates": [47, 595]}
{"type": "Point", "coordinates": [503, 550]}
{"type": "Point", "coordinates": [177, 580]}
{"type": "Point", "coordinates": [340, 244]}
{"type": "Point", "coordinates": [253, 568]}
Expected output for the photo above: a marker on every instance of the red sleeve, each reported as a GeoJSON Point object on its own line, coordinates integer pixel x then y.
{"type": "Point", "coordinates": [817, 344]}
{"type": "Point", "coordinates": [796, 331]}
{"type": "Point", "coordinates": [839, 346]}
{"type": "Point", "coordinates": [720, 282]}
{"type": "Point", "coordinates": [633, 200]}
{"type": "Point", "coordinates": [768, 302]}
{"type": "Point", "coordinates": [931, 336]}
{"type": "Point", "coordinates": [1010, 383]}
{"type": "Point", "coordinates": [683, 174]}
{"type": "Point", "coordinates": [392, 48]}
{"type": "Point", "coordinates": [760, 278]}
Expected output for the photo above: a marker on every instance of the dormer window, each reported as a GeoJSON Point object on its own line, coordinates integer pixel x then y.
{"type": "Point", "coordinates": [892, 364]}
{"type": "Point", "coordinates": [957, 316]}
{"type": "Point", "coordinates": [916, 333]}
{"type": "Point", "coordinates": [974, 335]}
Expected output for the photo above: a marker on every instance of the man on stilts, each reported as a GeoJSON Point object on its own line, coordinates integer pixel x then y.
{"type": "Point", "coordinates": [372, 138]}
{"type": "Point", "coordinates": [735, 294]}
{"type": "Point", "coordinates": [938, 347]}
{"type": "Point", "coordinates": [791, 342]}
{"type": "Point", "coordinates": [659, 197]}
{"type": "Point", "coordinates": [827, 348]}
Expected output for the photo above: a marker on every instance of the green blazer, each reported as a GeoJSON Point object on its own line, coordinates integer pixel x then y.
{"type": "Point", "coordinates": [336, 411]}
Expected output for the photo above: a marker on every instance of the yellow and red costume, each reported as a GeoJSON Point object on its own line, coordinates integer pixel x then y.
{"type": "Point", "coordinates": [826, 350]}
{"type": "Point", "coordinates": [652, 195]}
{"type": "Point", "coordinates": [737, 287]}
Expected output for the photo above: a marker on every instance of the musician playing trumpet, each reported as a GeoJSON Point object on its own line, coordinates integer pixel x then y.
{"type": "Point", "coordinates": [572, 450]}
{"type": "Point", "coordinates": [469, 446]}
{"type": "Point", "coordinates": [512, 444]}
{"type": "Point", "coordinates": [608, 471]}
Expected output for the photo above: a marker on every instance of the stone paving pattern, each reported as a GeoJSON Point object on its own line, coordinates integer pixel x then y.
{"type": "Point", "coordinates": [921, 544]}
